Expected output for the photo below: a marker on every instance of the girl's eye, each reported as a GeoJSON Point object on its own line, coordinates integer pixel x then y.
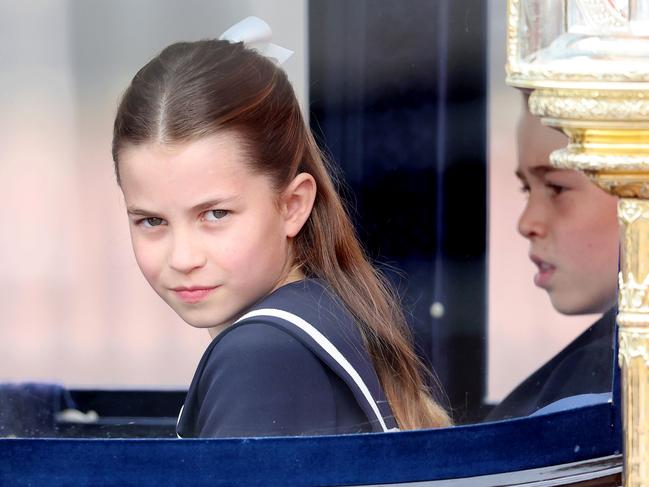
{"type": "Point", "coordinates": [213, 215]}
{"type": "Point", "coordinates": [151, 222]}
{"type": "Point", "coordinates": [525, 189]}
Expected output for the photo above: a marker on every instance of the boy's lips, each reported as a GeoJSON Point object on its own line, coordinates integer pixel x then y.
{"type": "Point", "coordinates": [545, 273]}
{"type": "Point", "coordinates": [193, 294]}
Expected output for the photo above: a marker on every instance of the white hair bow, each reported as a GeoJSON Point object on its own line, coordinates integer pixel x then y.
{"type": "Point", "coordinates": [256, 34]}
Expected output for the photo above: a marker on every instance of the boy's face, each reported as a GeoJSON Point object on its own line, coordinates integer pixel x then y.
{"type": "Point", "coordinates": [208, 233]}
{"type": "Point", "coordinates": [571, 225]}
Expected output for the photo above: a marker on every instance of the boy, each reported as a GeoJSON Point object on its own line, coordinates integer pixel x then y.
{"type": "Point", "coordinates": [572, 228]}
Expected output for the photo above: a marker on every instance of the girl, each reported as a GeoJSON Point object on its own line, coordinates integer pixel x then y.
{"type": "Point", "coordinates": [236, 224]}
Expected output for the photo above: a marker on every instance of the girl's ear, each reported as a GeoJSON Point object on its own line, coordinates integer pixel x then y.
{"type": "Point", "coordinates": [297, 202]}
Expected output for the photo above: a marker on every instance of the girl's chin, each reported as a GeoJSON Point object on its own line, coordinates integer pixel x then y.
{"type": "Point", "coordinates": [210, 326]}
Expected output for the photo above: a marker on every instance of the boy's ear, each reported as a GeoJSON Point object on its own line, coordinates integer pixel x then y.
{"type": "Point", "coordinates": [297, 202]}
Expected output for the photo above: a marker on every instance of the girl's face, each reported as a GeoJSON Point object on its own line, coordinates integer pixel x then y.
{"type": "Point", "coordinates": [571, 225]}
{"type": "Point", "coordinates": [210, 236]}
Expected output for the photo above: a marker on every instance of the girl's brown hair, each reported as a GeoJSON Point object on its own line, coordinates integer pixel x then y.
{"type": "Point", "coordinates": [192, 90]}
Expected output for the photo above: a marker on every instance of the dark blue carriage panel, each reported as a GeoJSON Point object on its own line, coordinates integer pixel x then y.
{"type": "Point", "coordinates": [382, 458]}
{"type": "Point", "coordinates": [49, 410]}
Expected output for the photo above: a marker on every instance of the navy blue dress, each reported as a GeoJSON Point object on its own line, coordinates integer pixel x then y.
{"type": "Point", "coordinates": [294, 364]}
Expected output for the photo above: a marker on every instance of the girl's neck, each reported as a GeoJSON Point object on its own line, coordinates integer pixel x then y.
{"type": "Point", "coordinates": [294, 275]}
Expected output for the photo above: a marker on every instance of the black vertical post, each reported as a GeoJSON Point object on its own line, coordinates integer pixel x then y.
{"type": "Point", "coordinates": [398, 98]}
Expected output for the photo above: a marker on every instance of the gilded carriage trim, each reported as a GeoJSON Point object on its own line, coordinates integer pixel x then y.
{"type": "Point", "coordinates": [601, 102]}
{"type": "Point", "coordinates": [608, 134]}
{"type": "Point", "coordinates": [574, 159]}
{"type": "Point", "coordinates": [629, 211]}
{"type": "Point", "coordinates": [627, 318]}
{"type": "Point", "coordinates": [513, 46]}
{"type": "Point", "coordinates": [634, 295]}
{"type": "Point", "coordinates": [606, 105]}
{"type": "Point", "coordinates": [633, 357]}
{"type": "Point", "coordinates": [553, 78]}
{"type": "Point", "coordinates": [633, 321]}
{"type": "Point", "coordinates": [634, 189]}
{"type": "Point", "coordinates": [634, 343]}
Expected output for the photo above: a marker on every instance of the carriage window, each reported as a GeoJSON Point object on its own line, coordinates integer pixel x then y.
{"type": "Point", "coordinates": [419, 133]}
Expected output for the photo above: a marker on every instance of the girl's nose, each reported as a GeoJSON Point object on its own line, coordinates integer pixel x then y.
{"type": "Point", "coordinates": [533, 221]}
{"type": "Point", "coordinates": [186, 253]}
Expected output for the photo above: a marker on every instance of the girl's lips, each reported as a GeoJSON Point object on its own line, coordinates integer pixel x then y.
{"type": "Point", "coordinates": [194, 294]}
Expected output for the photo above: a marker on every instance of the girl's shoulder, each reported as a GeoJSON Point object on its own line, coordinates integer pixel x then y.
{"type": "Point", "coordinates": [266, 374]}
{"type": "Point", "coordinates": [308, 297]}
{"type": "Point", "coordinates": [266, 332]}
{"type": "Point", "coordinates": [302, 326]}
{"type": "Point", "coordinates": [311, 312]}
{"type": "Point", "coordinates": [259, 380]}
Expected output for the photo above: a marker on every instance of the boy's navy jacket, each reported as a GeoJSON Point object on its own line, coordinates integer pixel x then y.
{"type": "Point", "coordinates": [585, 366]}
{"type": "Point", "coordinates": [294, 364]}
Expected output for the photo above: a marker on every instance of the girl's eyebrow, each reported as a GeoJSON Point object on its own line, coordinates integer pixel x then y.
{"type": "Point", "coordinates": [213, 202]}
{"type": "Point", "coordinates": [133, 210]}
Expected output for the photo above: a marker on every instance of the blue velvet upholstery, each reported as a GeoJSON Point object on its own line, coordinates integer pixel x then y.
{"type": "Point", "coordinates": [481, 449]}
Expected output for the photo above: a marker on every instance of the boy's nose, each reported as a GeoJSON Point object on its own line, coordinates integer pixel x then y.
{"type": "Point", "coordinates": [532, 222]}
{"type": "Point", "coordinates": [186, 253]}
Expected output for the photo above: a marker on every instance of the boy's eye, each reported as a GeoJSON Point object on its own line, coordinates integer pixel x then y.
{"type": "Point", "coordinates": [213, 215]}
{"type": "Point", "coordinates": [151, 222]}
{"type": "Point", "coordinates": [555, 188]}
{"type": "Point", "coordinates": [525, 189]}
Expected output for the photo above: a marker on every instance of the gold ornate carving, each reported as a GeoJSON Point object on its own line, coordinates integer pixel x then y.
{"type": "Point", "coordinates": [527, 75]}
{"type": "Point", "coordinates": [600, 99]}
{"type": "Point", "coordinates": [633, 215]}
{"type": "Point", "coordinates": [633, 357]}
{"type": "Point", "coordinates": [629, 211]}
{"type": "Point", "coordinates": [601, 73]}
{"type": "Point", "coordinates": [633, 295]}
{"type": "Point", "coordinates": [513, 46]}
{"type": "Point", "coordinates": [633, 344]}
{"type": "Point", "coordinates": [574, 158]}
{"type": "Point", "coordinates": [608, 130]}
{"type": "Point", "coordinates": [602, 15]}
{"type": "Point", "coordinates": [627, 105]}
{"type": "Point", "coordinates": [633, 320]}
{"type": "Point", "coordinates": [620, 185]}
{"type": "Point", "coordinates": [636, 189]}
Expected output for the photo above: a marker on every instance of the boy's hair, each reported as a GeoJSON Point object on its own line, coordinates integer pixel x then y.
{"type": "Point", "coordinates": [193, 90]}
